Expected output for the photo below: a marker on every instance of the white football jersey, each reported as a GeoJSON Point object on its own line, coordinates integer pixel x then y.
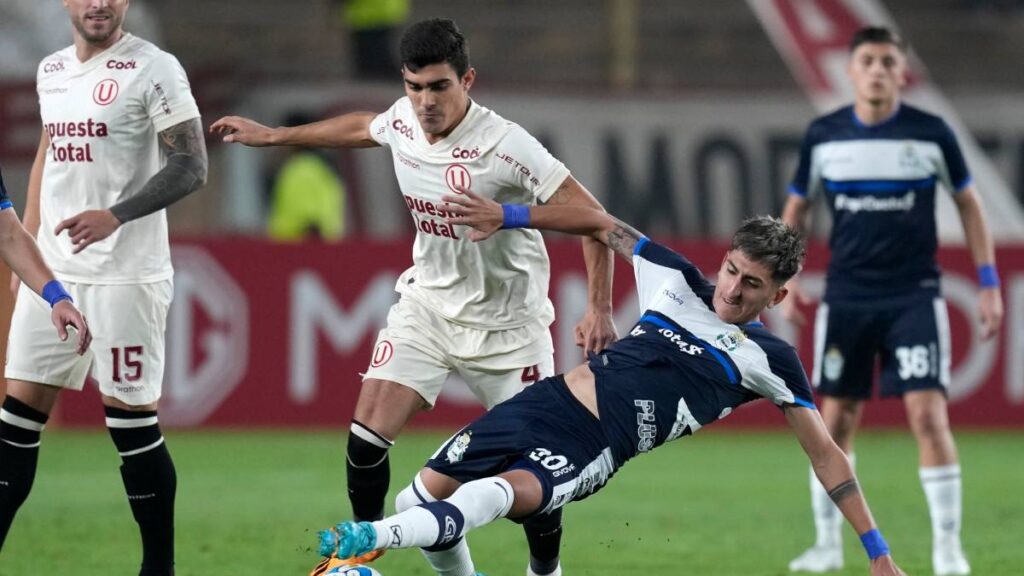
{"type": "Point", "coordinates": [496, 284]}
{"type": "Point", "coordinates": [103, 117]}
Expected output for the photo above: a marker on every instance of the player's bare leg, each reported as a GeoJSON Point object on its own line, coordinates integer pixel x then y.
{"type": "Point", "coordinates": [382, 411]}
{"type": "Point", "coordinates": [842, 417]}
{"type": "Point", "coordinates": [437, 524]}
{"type": "Point", "coordinates": [940, 477]}
{"type": "Point", "coordinates": [149, 477]}
{"type": "Point", "coordinates": [22, 419]}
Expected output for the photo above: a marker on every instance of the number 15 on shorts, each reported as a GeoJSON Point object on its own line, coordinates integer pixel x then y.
{"type": "Point", "coordinates": [127, 363]}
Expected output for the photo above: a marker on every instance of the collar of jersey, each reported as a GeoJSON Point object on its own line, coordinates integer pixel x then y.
{"type": "Point", "coordinates": [78, 66]}
{"type": "Point", "coordinates": [442, 148]}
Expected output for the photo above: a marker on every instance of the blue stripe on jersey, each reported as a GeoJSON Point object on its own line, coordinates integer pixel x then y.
{"type": "Point", "coordinates": [6, 204]}
{"type": "Point", "coordinates": [796, 191]}
{"type": "Point", "coordinates": [967, 182]}
{"type": "Point", "coordinates": [878, 185]}
{"type": "Point", "coordinates": [640, 245]}
{"type": "Point", "coordinates": [661, 322]}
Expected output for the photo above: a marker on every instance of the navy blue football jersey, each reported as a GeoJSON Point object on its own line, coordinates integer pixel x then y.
{"type": "Point", "coordinates": [682, 367]}
{"type": "Point", "coordinates": [880, 183]}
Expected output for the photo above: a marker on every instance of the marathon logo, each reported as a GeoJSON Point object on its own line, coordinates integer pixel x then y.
{"type": "Point", "coordinates": [874, 204]}
{"type": "Point", "coordinates": [74, 151]}
{"type": "Point", "coordinates": [419, 206]}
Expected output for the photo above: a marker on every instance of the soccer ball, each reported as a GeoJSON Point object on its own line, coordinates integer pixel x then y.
{"type": "Point", "coordinates": [352, 571]}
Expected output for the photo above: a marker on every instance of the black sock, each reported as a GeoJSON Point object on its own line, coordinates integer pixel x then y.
{"type": "Point", "coordinates": [369, 472]}
{"type": "Point", "coordinates": [544, 535]}
{"type": "Point", "coordinates": [20, 428]}
{"type": "Point", "coordinates": [150, 483]}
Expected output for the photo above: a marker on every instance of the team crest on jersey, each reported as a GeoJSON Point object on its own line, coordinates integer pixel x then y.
{"type": "Point", "coordinates": [458, 448]}
{"type": "Point", "coordinates": [908, 156]}
{"type": "Point", "coordinates": [730, 340]}
{"type": "Point", "coordinates": [832, 365]}
{"type": "Point", "coordinates": [105, 92]}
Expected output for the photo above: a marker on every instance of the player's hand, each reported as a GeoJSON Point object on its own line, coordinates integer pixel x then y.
{"type": "Point", "coordinates": [483, 215]}
{"type": "Point", "coordinates": [242, 130]}
{"type": "Point", "coordinates": [88, 227]}
{"type": "Point", "coordinates": [885, 566]}
{"type": "Point", "coordinates": [65, 314]}
{"type": "Point", "coordinates": [791, 305]}
{"type": "Point", "coordinates": [990, 311]}
{"type": "Point", "coordinates": [595, 332]}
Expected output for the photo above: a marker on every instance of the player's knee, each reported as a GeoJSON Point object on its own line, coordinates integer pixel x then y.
{"type": "Point", "coordinates": [366, 448]}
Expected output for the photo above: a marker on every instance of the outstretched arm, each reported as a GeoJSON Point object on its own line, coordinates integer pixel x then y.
{"type": "Point", "coordinates": [834, 472]}
{"type": "Point", "coordinates": [346, 131]}
{"type": "Point", "coordinates": [185, 171]}
{"type": "Point", "coordinates": [486, 217]}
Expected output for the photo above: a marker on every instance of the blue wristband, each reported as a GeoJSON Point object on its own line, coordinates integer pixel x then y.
{"type": "Point", "coordinates": [874, 543]}
{"type": "Point", "coordinates": [516, 216]}
{"type": "Point", "coordinates": [987, 276]}
{"type": "Point", "coordinates": [54, 292]}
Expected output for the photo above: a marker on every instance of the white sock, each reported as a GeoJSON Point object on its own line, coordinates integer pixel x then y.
{"type": "Point", "coordinates": [828, 520]}
{"type": "Point", "coordinates": [473, 505]}
{"type": "Point", "coordinates": [455, 561]}
{"type": "Point", "coordinates": [942, 489]}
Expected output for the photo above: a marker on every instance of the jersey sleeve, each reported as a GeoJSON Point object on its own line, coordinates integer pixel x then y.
{"type": "Point", "coordinates": [785, 364]}
{"type": "Point", "coordinates": [5, 200]}
{"type": "Point", "coordinates": [529, 166]}
{"type": "Point", "coordinates": [654, 265]}
{"type": "Point", "coordinates": [805, 180]}
{"type": "Point", "coordinates": [955, 176]}
{"type": "Point", "coordinates": [168, 97]}
{"type": "Point", "coordinates": [379, 125]}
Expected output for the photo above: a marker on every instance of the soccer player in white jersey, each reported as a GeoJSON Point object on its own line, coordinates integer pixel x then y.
{"type": "Point", "coordinates": [478, 310]}
{"type": "Point", "coordinates": [122, 140]}
{"type": "Point", "coordinates": [878, 163]}
{"type": "Point", "coordinates": [697, 352]}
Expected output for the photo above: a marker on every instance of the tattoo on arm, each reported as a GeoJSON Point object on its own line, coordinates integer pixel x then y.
{"type": "Point", "coordinates": [184, 147]}
{"type": "Point", "coordinates": [623, 238]}
{"type": "Point", "coordinates": [844, 490]}
{"type": "Point", "coordinates": [563, 195]}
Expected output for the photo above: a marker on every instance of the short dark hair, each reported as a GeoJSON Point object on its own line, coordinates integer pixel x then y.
{"type": "Point", "coordinates": [435, 41]}
{"type": "Point", "coordinates": [877, 35]}
{"type": "Point", "coordinates": [771, 242]}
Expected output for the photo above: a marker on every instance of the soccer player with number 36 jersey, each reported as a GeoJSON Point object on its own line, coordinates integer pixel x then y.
{"type": "Point", "coordinates": [880, 164]}
{"type": "Point", "coordinates": [477, 310]}
{"type": "Point", "coordinates": [122, 140]}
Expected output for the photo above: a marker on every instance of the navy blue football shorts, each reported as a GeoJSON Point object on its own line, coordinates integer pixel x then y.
{"type": "Point", "coordinates": [909, 343]}
{"type": "Point", "coordinates": [544, 429]}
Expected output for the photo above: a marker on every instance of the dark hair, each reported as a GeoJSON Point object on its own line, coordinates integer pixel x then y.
{"type": "Point", "coordinates": [771, 242]}
{"type": "Point", "coordinates": [877, 35]}
{"type": "Point", "coordinates": [435, 41]}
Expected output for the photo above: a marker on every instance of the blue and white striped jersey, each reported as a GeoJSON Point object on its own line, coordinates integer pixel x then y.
{"type": "Point", "coordinates": [681, 367]}
{"type": "Point", "coordinates": [880, 182]}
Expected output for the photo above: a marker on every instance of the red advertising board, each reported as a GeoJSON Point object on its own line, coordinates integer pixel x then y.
{"type": "Point", "coordinates": [264, 334]}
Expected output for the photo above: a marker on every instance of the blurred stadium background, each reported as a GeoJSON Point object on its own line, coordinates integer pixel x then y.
{"type": "Point", "coordinates": [681, 116]}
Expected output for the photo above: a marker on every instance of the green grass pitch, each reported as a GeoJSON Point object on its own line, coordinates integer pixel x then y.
{"type": "Point", "coordinates": [720, 503]}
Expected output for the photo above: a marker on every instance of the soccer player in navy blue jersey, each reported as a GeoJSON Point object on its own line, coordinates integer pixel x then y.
{"type": "Point", "coordinates": [697, 352]}
{"type": "Point", "coordinates": [879, 163]}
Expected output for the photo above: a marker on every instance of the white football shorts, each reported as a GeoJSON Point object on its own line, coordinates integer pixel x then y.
{"type": "Point", "coordinates": [127, 352]}
{"type": "Point", "coordinates": [419, 349]}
